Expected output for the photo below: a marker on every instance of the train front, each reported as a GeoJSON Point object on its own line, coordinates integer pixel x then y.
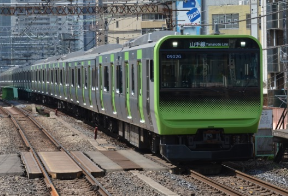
{"type": "Point", "coordinates": [208, 96]}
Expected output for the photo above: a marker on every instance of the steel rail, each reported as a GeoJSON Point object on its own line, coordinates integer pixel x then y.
{"type": "Point", "coordinates": [47, 179]}
{"type": "Point", "coordinates": [1, 108]}
{"type": "Point", "coordinates": [216, 185]}
{"type": "Point", "coordinates": [271, 187]}
{"type": "Point", "coordinates": [96, 185]}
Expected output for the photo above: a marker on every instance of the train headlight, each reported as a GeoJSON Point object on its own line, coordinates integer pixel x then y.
{"type": "Point", "coordinates": [174, 44]}
{"type": "Point", "coordinates": [243, 44]}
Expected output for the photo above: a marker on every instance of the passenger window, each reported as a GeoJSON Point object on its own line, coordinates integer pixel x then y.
{"type": "Point", "coordinates": [79, 78]}
{"type": "Point", "coordinates": [151, 71]}
{"type": "Point", "coordinates": [93, 79]}
{"type": "Point", "coordinates": [48, 76]}
{"type": "Point", "coordinates": [132, 79]}
{"type": "Point", "coordinates": [61, 76]}
{"type": "Point", "coordinates": [106, 78]}
{"type": "Point", "coordinates": [56, 76]}
{"type": "Point", "coordinates": [119, 79]}
{"type": "Point", "coordinates": [86, 77]}
{"type": "Point", "coordinates": [52, 72]}
{"type": "Point", "coordinates": [67, 75]}
{"type": "Point", "coordinates": [96, 77]}
{"type": "Point", "coordinates": [73, 82]}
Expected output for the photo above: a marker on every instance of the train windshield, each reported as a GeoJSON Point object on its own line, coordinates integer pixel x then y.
{"type": "Point", "coordinates": [218, 67]}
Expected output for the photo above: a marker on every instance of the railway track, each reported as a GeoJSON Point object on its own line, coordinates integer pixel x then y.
{"type": "Point", "coordinates": [236, 184]}
{"type": "Point", "coordinates": [124, 176]}
{"type": "Point", "coordinates": [248, 184]}
{"type": "Point", "coordinates": [29, 130]}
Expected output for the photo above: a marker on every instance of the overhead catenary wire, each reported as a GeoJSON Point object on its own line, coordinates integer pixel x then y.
{"type": "Point", "coordinates": [112, 22]}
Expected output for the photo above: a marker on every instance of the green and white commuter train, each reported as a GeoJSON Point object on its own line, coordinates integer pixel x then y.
{"type": "Point", "coordinates": [190, 98]}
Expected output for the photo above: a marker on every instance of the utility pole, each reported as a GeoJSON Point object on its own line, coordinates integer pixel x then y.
{"type": "Point", "coordinates": [284, 52]}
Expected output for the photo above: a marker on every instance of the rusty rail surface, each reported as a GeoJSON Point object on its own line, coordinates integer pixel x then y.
{"type": "Point", "coordinates": [225, 189]}
{"type": "Point", "coordinates": [271, 187]}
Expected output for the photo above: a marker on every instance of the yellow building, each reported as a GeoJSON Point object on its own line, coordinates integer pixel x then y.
{"type": "Point", "coordinates": [232, 19]}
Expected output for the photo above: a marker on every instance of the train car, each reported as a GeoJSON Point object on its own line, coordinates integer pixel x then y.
{"type": "Point", "coordinates": [190, 98]}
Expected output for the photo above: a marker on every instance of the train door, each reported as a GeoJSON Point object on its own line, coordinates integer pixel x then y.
{"type": "Point", "coordinates": [78, 88]}
{"type": "Point", "coordinates": [113, 88]}
{"type": "Point", "coordinates": [40, 79]}
{"type": "Point", "coordinates": [56, 90]}
{"type": "Point", "coordinates": [97, 86]}
{"type": "Point", "coordinates": [33, 78]}
{"type": "Point", "coordinates": [127, 84]}
{"type": "Point", "coordinates": [94, 85]}
{"type": "Point", "coordinates": [107, 101]}
{"type": "Point", "coordinates": [66, 82]}
{"type": "Point", "coordinates": [61, 81]}
{"type": "Point", "coordinates": [43, 80]}
{"type": "Point", "coordinates": [55, 79]}
{"type": "Point", "coordinates": [86, 93]}
{"type": "Point", "coordinates": [101, 87]}
{"type": "Point", "coordinates": [120, 97]}
{"type": "Point", "coordinates": [49, 79]}
{"type": "Point", "coordinates": [37, 79]}
{"type": "Point", "coordinates": [52, 79]}
{"type": "Point", "coordinates": [73, 82]}
{"type": "Point", "coordinates": [140, 92]}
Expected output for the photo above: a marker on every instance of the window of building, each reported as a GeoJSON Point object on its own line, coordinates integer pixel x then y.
{"type": "Point", "coordinates": [119, 81]}
{"type": "Point", "coordinates": [146, 17]}
{"type": "Point", "coordinates": [226, 21]}
{"type": "Point", "coordinates": [248, 21]}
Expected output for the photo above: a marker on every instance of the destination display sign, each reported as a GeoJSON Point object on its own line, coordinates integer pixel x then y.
{"type": "Point", "coordinates": [204, 44]}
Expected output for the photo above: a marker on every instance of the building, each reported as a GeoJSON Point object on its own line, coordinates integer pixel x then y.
{"type": "Point", "coordinates": [5, 40]}
{"type": "Point", "coordinates": [37, 37]}
{"type": "Point", "coordinates": [122, 28]}
{"type": "Point", "coordinates": [276, 36]}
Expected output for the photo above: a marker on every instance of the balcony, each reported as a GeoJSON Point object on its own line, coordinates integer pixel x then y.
{"type": "Point", "coordinates": [274, 61]}
{"type": "Point", "coordinates": [275, 20]}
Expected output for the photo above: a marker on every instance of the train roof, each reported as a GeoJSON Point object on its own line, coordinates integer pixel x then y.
{"type": "Point", "coordinates": [103, 48]}
{"type": "Point", "coordinates": [72, 55]}
{"type": "Point", "coordinates": [148, 38]}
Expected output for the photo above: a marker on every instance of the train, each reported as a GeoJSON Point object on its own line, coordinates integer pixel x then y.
{"type": "Point", "coordinates": [188, 97]}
